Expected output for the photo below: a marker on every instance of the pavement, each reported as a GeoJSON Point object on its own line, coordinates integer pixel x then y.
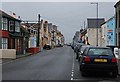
{"type": "Point", "coordinates": [5, 60]}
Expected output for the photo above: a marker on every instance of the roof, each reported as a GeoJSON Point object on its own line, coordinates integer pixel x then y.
{"type": "Point", "coordinates": [108, 20]}
{"type": "Point", "coordinates": [117, 4]}
{"type": "Point", "coordinates": [92, 22]}
{"type": "Point", "coordinates": [23, 29]}
{"type": "Point", "coordinates": [98, 47]}
{"type": "Point", "coordinates": [3, 14]}
{"type": "Point", "coordinates": [77, 33]}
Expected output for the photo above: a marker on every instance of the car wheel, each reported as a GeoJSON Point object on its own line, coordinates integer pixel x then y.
{"type": "Point", "coordinates": [80, 68]}
{"type": "Point", "coordinates": [76, 56]}
{"type": "Point", "coordinates": [114, 74]}
{"type": "Point", "coordinates": [83, 73]}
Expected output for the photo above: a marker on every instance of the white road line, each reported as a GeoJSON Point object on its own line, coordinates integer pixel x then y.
{"type": "Point", "coordinates": [71, 78]}
{"type": "Point", "coordinates": [72, 74]}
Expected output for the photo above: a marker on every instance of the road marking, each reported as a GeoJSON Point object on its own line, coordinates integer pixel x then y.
{"type": "Point", "coordinates": [72, 74]}
{"type": "Point", "coordinates": [71, 78]}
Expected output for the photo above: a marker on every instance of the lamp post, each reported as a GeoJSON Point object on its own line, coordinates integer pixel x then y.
{"type": "Point", "coordinates": [96, 3]}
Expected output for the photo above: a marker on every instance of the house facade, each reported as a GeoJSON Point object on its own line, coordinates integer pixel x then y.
{"type": "Point", "coordinates": [103, 34]}
{"type": "Point", "coordinates": [25, 38]}
{"type": "Point", "coordinates": [31, 37]}
{"type": "Point", "coordinates": [117, 13]}
{"type": "Point", "coordinates": [54, 32]}
{"type": "Point", "coordinates": [94, 31]}
{"type": "Point", "coordinates": [108, 32]}
{"type": "Point", "coordinates": [10, 33]}
{"type": "Point", "coordinates": [50, 27]}
{"type": "Point", "coordinates": [111, 32]}
{"type": "Point", "coordinates": [45, 34]}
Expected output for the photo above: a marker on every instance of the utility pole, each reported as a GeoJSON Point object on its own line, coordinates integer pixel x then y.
{"type": "Point", "coordinates": [84, 25]}
{"type": "Point", "coordinates": [38, 38]}
{"type": "Point", "coordinates": [97, 24]}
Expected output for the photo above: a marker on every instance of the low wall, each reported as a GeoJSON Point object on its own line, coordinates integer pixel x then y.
{"type": "Point", "coordinates": [8, 53]}
{"type": "Point", "coordinates": [34, 50]}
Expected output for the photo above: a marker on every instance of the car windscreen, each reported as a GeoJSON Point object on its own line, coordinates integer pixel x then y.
{"type": "Point", "coordinates": [100, 51]}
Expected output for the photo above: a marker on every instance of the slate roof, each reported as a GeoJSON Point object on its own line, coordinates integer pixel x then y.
{"type": "Point", "coordinates": [3, 14]}
{"type": "Point", "coordinates": [117, 4]}
{"type": "Point", "coordinates": [92, 22]}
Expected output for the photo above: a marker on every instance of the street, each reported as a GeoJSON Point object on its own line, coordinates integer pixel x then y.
{"type": "Point", "coordinates": [54, 64]}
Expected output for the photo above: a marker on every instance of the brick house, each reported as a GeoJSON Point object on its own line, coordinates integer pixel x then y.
{"type": "Point", "coordinates": [10, 33]}
{"type": "Point", "coordinates": [117, 13]}
{"type": "Point", "coordinates": [93, 31]}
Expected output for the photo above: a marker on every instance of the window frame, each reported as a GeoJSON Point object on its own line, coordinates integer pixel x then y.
{"type": "Point", "coordinates": [10, 24]}
{"type": "Point", "coordinates": [4, 43]}
{"type": "Point", "coordinates": [17, 26]}
{"type": "Point", "coordinates": [4, 23]}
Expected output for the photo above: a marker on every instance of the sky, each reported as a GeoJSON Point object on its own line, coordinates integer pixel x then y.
{"type": "Point", "coordinates": [68, 16]}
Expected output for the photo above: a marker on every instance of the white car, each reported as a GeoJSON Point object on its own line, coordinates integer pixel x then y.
{"type": "Point", "coordinates": [116, 52]}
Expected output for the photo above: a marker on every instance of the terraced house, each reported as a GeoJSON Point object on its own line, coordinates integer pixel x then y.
{"type": "Point", "coordinates": [117, 13]}
{"type": "Point", "coordinates": [10, 37]}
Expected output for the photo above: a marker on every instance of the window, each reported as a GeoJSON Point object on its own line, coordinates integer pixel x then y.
{"type": "Point", "coordinates": [17, 26]}
{"type": "Point", "coordinates": [100, 51]}
{"type": "Point", "coordinates": [34, 32]}
{"type": "Point", "coordinates": [4, 23]}
{"type": "Point", "coordinates": [11, 25]}
{"type": "Point", "coordinates": [29, 30]}
{"type": "Point", "coordinates": [4, 43]}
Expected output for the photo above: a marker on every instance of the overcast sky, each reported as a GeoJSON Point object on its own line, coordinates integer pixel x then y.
{"type": "Point", "coordinates": [68, 16]}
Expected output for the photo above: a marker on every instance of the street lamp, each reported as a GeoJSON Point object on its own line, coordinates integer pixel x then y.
{"type": "Point", "coordinates": [96, 3]}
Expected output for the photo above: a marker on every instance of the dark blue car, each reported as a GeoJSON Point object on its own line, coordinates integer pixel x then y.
{"type": "Point", "coordinates": [98, 59]}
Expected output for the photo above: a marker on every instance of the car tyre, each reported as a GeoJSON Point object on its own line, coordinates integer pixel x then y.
{"type": "Point", "coordinates": [76, 56]}
{"type": "Point", "coordinates": [114, 74]}
{"type": "Point", "coordinates": [83, 73]}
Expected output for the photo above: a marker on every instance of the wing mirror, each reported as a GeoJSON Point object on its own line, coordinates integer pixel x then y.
{"type": "Point", "coordinates": [81, 52]}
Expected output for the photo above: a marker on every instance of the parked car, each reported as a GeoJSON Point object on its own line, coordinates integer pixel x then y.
{"type": "Point", "coordinates": [47, 46]}
{"type": "Point", "coordinates": [78, 49]}
{"type": "Point", "coordinates": [116, 52]}
{"type": "Point", "coordinates": [98, 59]}
{"type": "Point", "coordinates": [59, 45]}
{"type": "Point", "coordinates": [72, 46]}
{"type": "Point", "coordinates": [81, 50]}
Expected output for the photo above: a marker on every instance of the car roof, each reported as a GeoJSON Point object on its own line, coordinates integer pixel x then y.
{"type": "Point", "coordinates": [98, 47]}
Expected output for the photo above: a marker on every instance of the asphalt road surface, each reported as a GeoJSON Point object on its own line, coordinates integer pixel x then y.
{"type": "Point", "coordinates": [54, 64]}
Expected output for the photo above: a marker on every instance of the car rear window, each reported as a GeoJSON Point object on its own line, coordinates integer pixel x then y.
{"type": "Point", "coordinates": [100, 51]}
